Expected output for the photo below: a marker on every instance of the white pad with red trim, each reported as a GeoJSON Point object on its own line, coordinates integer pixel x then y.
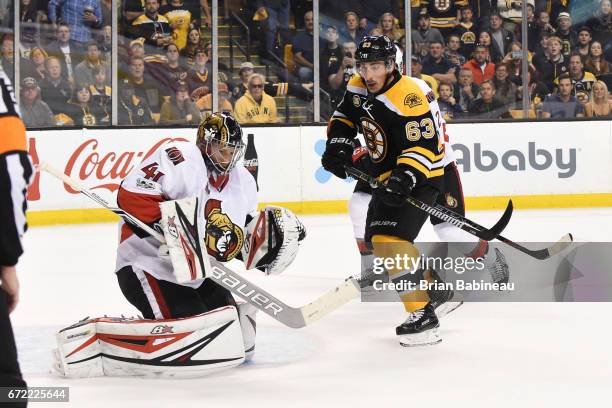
{"type": "Point", "coordinates": [272, 239]}
{"type": "Point", "coordinates": [189, 347]}
{"type": "Point", "coordinates": [184, 233]}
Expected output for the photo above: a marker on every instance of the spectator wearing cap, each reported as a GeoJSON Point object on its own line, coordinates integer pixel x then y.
{"type": "Point", "coordinates": [466, 90]}
{"type": "Point", "coordinates": [303, 49]}
{"type": "Point", "coordinates": [501, 38]}
{"type": "Point", "coordinates": [34, 112]}
{"type": "Point", "coordinates": [487, 106]}
{"type": "Point", "coordinates": [566, 33]}
{"type": "Point", "coordinates": [482, 70]}
{"type": "Point", "coordinates": [132, 110]}
{"type": "Point", "coordinates": [563, 105]}
{"type": "Point", "coordinates": [55, 89]}
{"type": "Point", "coordinates": [511, 12]}
{"type": "Point", "coordinates": [240, 87]}
{"type": "Point", "coordinates": [583, 41]}
{"type": "Point", "coordinates": [351, 30]}
{"type": "Point", "coordinates": [81, 15]}
{"type": "Point", "coordinates": [199, 77]}
{"type": "Point", "coordinates": [424, 35]}
{"type": "Point", "coordinates": [331, 53]}
{"type": "Point", "coordinates": [204, 104]}
{"type": "Point", "coordinates": [436, 65]}
{"type": "Point", "coordinates": [417, 72]}
{"type": "Point", "coordinates": [552, 66]}
{"type": "Point", "coordinates": [83, 73]}
{"type": "Point", "coordinates": [179, 109]}
{"type": "Point", "coordinates": [255, 106]}
{"type": "Point", "coordinates": [467, 31]}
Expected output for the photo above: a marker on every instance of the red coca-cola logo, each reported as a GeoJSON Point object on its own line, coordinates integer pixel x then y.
{"type": "Point", "coordinates": [89, 163]}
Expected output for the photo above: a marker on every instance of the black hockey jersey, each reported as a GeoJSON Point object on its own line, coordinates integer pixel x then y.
{"type": "Point", "coordinates": [402, 125]}
{"type": "Point", "coordinates": [443, 13]}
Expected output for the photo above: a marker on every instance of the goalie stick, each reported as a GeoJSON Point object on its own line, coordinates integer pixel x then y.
{"type": "Point", "coordinates": [294, 317]}
{"type": "Point", "coordinates": [540, 254]}
{"type": "Point", "coordinates": [444, 213]}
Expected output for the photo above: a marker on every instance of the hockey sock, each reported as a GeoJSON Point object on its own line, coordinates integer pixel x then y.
{"type": "Point", "coordinates": [389, 247]}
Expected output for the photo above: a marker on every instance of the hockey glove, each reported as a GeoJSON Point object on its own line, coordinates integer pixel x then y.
{"type": "Point", "coordinates": [398, 187]}
{"type": "Point", "coordinates": [338, 153]}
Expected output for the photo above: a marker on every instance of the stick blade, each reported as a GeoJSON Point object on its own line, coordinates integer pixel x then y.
{"type": "Point", "coordinates": [497, 229]}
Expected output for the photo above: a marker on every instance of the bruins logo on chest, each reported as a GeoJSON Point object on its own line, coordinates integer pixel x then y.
{"type": "Point", "coordinates": [375, 139]}
{"type": "Point", "coordinates": [442, 5]}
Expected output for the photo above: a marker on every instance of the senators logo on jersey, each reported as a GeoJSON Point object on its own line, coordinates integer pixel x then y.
{"type": "Point", "coordinates": [224, 239]}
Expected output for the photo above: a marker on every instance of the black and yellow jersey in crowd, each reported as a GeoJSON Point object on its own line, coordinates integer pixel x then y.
{"type": "Point", "coordinates": [401, 126]}
{"type": "Point", "coordinates": [443, 13]}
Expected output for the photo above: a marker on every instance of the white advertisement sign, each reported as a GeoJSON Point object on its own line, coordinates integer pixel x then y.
{"type": "Point", "coordinates": [495, 160]}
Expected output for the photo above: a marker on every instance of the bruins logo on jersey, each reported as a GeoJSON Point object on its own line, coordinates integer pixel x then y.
{"type": "Point", "coordinates": [442, 5]}
{"type": "Point", "coordinates": [375, 139]}
{"type": "Point", "coordinates": [412, 100]}
{"type": "Point", "coordinates": [224, 239]}
{"type": "Point", "coordinates": [468, 37]}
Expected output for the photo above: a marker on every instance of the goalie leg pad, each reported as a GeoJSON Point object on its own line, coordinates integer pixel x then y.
{"type": "Point", "coordinates": [247, 314]}
{"type": "Point", "coordinates": [189, 347]}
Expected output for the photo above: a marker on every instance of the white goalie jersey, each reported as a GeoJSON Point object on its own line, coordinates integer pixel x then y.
{"type": "Point", "coordinates": [175, 171]}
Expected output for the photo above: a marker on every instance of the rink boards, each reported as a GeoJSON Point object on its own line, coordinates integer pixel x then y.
{"type": "Point", "coordinates": [538, 165]}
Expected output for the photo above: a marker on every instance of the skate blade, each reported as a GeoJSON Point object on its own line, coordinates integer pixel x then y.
{"type": "Point", "coordinates": [446, 308]}
{"type": "Point", "coordinates": [427, 338]}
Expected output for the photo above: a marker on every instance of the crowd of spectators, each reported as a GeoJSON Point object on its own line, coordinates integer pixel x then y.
{"type": "Point", "coordinates": [468, 51]}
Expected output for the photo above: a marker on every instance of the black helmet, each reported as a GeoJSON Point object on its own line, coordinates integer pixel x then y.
{"type": "Point", "coordinates": [375, 48]}
{"type": "Point", "coordinates": [221, 133]}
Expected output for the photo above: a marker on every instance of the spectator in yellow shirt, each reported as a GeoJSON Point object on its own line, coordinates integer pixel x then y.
{"type": "Point", "coordinates": [255, 106]}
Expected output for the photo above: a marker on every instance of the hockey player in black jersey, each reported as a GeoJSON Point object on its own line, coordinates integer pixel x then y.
{"type": "Point", "coordinates": [400, 120]}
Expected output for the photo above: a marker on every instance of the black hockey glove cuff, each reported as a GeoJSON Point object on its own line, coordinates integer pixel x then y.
{"type": "Point", "coordinates": [338, 153]}
{"type": "Point", "coordinates": [398, 187]}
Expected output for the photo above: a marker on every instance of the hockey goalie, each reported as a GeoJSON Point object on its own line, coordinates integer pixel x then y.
{"type": "Point", "coordinates": [205, 203]}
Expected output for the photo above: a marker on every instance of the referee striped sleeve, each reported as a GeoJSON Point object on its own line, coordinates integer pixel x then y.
{"type": "Point", "coordinates": [15, 176]}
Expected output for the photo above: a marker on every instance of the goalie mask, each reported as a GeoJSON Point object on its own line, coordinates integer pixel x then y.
{"type": "Point", "coordinates": [272, 240]}
{"type": "Point", "coordinates": [220, 140]}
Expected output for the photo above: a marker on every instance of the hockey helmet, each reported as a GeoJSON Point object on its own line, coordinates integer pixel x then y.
{"type": "Point", "coordinates": [375, 48]}
{"type": "Point", "coordinates": [220, 140]}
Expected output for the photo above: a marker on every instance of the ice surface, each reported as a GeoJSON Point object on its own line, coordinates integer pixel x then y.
{"type": "Point", "coordinates": [493, 354]}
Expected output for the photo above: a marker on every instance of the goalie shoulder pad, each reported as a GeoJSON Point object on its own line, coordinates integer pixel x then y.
{"type": "Point", "coordinates": [272, 238]}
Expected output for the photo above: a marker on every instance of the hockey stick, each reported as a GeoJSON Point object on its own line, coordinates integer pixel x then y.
{"type": "Point", "coordinates": [444, 213]}
{"type": "Point", "coordinates": [540, 254]}
{"type": "Point", "coordinates": [294, 317]}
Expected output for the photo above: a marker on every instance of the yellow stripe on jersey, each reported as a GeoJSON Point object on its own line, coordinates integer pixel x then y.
{"type": "Point", "coordinates": [343, 120]}
{"type": "Point", "coordinates": [406, 98]}
{"type": "Point", "coordinates": [420, 167]}
{"type": "Point", "coordinates": [427, 153]}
